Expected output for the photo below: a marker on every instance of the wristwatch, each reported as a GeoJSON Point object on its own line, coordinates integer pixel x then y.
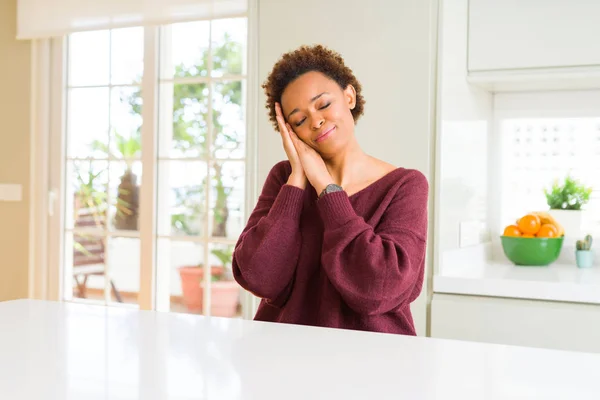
{"type": "Point", "coordinates": [332, 187]}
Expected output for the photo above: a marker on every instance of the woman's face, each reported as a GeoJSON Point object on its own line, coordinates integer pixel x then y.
{"type": "Point", "coordinates": [319, 111]}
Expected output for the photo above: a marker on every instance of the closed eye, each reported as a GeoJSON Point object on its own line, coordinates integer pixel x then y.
{"type": "Point", "coordinates": [304, 119]}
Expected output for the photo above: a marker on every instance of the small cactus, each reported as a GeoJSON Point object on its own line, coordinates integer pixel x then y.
{"type": "Point", "coordinates": [585, 244]}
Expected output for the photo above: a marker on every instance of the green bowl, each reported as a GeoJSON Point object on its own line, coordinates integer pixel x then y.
{"type": "Point", "coordinates": [531, 251]}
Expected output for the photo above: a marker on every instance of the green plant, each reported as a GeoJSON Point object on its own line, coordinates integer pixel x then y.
{"type": "Point", "coordinates": [585, 244]}
{"type": "Point", "coordinates": [88, 192]}
{"type": "Point", "coordinates": [571, 195]}
{"type": "Point", "coordinates": [224, 255]}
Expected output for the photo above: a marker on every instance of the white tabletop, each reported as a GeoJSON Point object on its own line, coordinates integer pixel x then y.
{"type": "Point", "coordinates": [61, 351]}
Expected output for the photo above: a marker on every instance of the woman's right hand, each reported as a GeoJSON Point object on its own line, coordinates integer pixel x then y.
{"type": "Point", "coordinates": [298, 177]}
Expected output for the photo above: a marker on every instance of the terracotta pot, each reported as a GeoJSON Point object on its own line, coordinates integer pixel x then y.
{"type": "Point", "coordinates": [224, 294]}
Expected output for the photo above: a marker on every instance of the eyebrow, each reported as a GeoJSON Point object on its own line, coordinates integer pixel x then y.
{"type": "Point", "coordinates": [295, 110]}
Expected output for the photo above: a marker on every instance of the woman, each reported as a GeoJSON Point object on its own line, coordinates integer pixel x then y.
{"type": "Point", "coordinates": [338, 237]}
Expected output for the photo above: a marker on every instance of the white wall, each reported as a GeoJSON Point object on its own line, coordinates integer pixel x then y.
{"type": "Point", "coordinates": [388, 44]}
{"type": "Point", "coordinates": [464, 139]}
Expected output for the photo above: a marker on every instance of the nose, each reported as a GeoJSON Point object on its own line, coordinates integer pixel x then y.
{"type": "Point", "coordinates": [318, 122]}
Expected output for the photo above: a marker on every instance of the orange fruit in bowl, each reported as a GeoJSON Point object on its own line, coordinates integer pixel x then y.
{"type": "Point", "coordinates": [529, 224]}
{"type": "Point", "coordinates": [512, 230]}
{"type": "Point", "coordinates": [547, 231]}
{"type": "Point", "coordinates": [528, 235]}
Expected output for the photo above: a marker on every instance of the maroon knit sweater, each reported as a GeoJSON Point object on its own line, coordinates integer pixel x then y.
{"type": "Point", "coordinates": [353, 262]}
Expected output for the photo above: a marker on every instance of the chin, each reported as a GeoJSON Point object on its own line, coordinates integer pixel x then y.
{"type": "Point", "coordinates": [332, 147]}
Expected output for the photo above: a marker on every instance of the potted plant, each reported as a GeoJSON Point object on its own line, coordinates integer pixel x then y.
{"type": "Point", "coordinates": [225, 291]}
{"type": "Point", "coordinates": [583, 252]}
{"type": "Point", "coordinates": [566, 202]}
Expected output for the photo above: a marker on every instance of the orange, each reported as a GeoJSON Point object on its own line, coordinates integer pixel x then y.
{"type": "Point", "coordinates": [530, 224]}
{"type": "Point", "coordinates": [528, 235]}
{"type": "Point", "coordinates": [512, 230]}
{"type": "Point", "coordinates": [548, 231]}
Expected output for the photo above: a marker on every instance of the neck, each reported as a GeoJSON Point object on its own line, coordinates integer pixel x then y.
{"type": "Point", "coordinates": [346, 166]}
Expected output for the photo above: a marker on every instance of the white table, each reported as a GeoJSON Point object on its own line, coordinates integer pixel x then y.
{"type": "Point", "coordinates": [61, 351]}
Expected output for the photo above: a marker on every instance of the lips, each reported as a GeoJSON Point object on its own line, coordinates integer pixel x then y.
{"type": "Point", "coordinates": [325, 135]}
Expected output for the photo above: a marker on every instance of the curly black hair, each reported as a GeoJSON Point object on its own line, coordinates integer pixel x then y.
{"type": "Point", "coordinates": [305, 59]}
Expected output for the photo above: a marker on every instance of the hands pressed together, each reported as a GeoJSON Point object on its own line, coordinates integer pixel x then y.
{"type": "Point", "coordinates": [307, 164]}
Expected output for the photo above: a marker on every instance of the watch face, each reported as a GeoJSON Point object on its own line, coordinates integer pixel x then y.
{"type": "Point", "coordinates": [334, 188]}
{"type": "Point", "coordinates": [330, 189]}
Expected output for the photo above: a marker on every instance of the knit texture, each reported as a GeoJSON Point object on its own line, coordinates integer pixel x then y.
{"type": "Point", "coordinates": [351, 262]}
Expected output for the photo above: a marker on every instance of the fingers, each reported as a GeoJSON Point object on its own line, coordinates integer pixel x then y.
{"type": "Point", "coordinates": [280, 121]}
{"type": "Point", "coordinates": [279, 116]}
{"type": "Point", "coordinates": [298, 144]}
{"type": "Point", "coordinates": [290, 130]}
{"type": "Point", "coordinates": [278, 112]}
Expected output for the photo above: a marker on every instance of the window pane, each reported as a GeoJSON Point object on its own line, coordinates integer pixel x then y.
{"type": "Point", "coordinates": [178, 263]}
{"type": "Point", "coordinates": [123, 257]}
{"type": "Point", "coordinates": [181, 198]}
{"type": "Point", "coordinates": [185, 263]}
{"type": "Point", "coordinates": [225, 291]}
{"type": "Point", "coordinates": [89, 263]}
{"type": "Point", "coordinates": [125, 180]}
{"type": "Point", "coordinates": [185, 136]}
{"type": "Point", "coordinates": [126, 122]}
{"type": "Point", "coordinates": [86, 194]}
{"type": "Point", "coordinates": [87, 123]}
{"type": "Point", "coordinates": [538, 152]}
{"type": "Point", "coordinates": [89, 58]}
{"type": "Point", "coordinates": [227, 199]}
{"type": "Point", "coordinates": [127, 55]}
{"type": "Point", "coordinates": [229, 46]}
{"type": "Point", "coordinates": [228, 120]}
{"type": "Point", "coordinates": [188, 43]}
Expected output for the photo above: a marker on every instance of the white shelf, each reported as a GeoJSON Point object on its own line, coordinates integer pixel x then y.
{"type": "Point", "coordinates": [556, 282]}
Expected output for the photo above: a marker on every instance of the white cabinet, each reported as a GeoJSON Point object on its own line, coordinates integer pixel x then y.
{"type": "Point", "coordinates": [517, 34]}
{"type": "Point", "coordinates": [554, 325]}
{"type": "Point", "coordinates": [516, 45]}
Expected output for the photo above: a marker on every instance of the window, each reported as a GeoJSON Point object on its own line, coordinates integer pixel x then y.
{"type": "Point", "coordinates": [200, 141]}
{"type": "Point", "coordinates": [103, 165]}
{"type": "Point", "coordinates": [201, 158]}
{"type": "Point", "coordinates": [538, 151]}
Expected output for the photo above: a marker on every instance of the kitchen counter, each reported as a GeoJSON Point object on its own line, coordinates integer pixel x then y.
{"type": "Point", "coordinates": [53, 351]}
{"type": "Point", "coordinates": [556, 282]}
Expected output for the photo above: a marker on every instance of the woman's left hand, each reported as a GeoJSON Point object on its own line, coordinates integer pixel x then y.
{"type": "Point", "coordinates": [312, 163]}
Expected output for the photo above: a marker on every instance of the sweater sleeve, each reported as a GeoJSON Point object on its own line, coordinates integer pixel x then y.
{"type": "Point", "coordinates": [267, 251]}
{"type": "Point", "coordinates": [377, 270]}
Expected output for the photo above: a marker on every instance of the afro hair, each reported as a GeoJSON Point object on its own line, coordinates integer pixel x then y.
{"type": "Point", "coordinates": [305, 59]}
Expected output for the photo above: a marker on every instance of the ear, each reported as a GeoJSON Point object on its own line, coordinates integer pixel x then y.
{"type": "Point", "coordinates": [350, 96]}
